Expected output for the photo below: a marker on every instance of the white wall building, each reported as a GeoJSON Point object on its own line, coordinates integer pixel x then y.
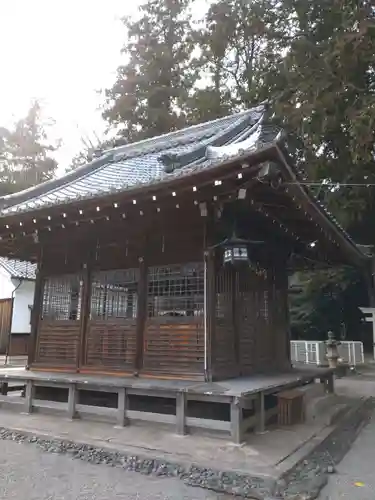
{"type": "Point", "coordinates": [17, 286]}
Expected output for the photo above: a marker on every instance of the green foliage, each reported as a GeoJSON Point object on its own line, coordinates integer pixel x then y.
{"type": "Point", "coordinates": [25, 153]}
{"type": "Point", "coordinates": [148, 96]}
{"type": "Point", "coordinates": [243, 42]}
{"type": "Point", "coordinates": [326, 94]}
{"type": "Point", "coordinates": [328, 300]}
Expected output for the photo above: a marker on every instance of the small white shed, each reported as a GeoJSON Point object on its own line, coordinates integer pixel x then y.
{"type": "Point", "coordinates": [17, 286]}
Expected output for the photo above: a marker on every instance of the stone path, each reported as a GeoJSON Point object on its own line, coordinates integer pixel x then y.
{"type": "Point", "coordinates": [355, 476]}
{"type": "Point", "coordinates": [27, 472]}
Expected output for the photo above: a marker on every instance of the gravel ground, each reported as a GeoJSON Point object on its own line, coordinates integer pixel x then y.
{"type": "Point", "coordinates": [355, 477]}
{"type": "Point", "coordinates": [27, 472]}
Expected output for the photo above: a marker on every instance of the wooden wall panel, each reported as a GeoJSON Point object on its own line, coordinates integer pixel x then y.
{"type": "Point", "coordinates": [247, 328]}
{"type": "Point", "coordinates": [252, 321]}
{"type": "Point", "coordinates": [224, 362]}
{"type": "Point", "coordinates": [174, 346]}
{"type": "Point", "coordinates": [6, 306]}
{"type": "Point", "coordinates": [280, 319]}
{"type": "Point", "coordinates": [117, 244]}
{"type": "Point", "coordinates": [110, 344]}
{"type": "Point", "coordinates": [261, 321]}
{"type": "Point", "coordinates": [19, 343]}
{"type": "Point", "coordinates": [57, 343]}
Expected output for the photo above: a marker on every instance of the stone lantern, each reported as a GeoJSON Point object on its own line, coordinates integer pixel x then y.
{"type": "Point", "coordinates": [332, 350]}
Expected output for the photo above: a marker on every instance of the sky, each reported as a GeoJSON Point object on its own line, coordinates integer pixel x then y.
{"type": "Point", "coordinates": [62, 52]}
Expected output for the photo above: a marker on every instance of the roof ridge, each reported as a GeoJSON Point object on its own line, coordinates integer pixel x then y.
{"type": "Point", "coordinates": [180, 132]}
{"type": "Point", "coordinates": [180, 160]}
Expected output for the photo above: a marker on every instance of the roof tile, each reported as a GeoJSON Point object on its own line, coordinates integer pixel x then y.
{"type": "Point", "coordinates": [19, 268]}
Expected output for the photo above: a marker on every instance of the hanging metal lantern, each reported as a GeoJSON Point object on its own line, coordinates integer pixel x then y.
{"type": "Point", "coordinates": [238, 251]}
{"type": "Point", "coordinates": [235, 251]}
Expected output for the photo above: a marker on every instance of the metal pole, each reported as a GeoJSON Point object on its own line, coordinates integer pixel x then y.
{"type": "Point", "coordinates": [205, 315]}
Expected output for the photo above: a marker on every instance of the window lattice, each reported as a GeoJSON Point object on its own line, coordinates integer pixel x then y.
{"type": "Point", "coordinates": [224, 294]}
{"type": "Point", "coordinates": [176, 290]}
{"type": "Point", "coordinates": [114, 294]}
{"type": "Point", "coordinates": [62, 298]}
{"type": "Point", "coordinates": [264, 311]}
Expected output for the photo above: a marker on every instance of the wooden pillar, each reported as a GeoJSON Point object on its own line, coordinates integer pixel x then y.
{"type": "Point", "coordinates": [210, 288]}
{"type": "Point", "coordinates": [85, 314]}
{"type": "Point", "coordinates": [236, 311]}
{"type": "Point", "coordinates": [36, 314]}
{"type": "Point", "coordinates": [141, 314]}
{"type": "Point", "coordinates": [286, 315]}
{"type": "Point", "coordinates": [281, 320]}
{"type": "Point", "coordinates": [210, 294]}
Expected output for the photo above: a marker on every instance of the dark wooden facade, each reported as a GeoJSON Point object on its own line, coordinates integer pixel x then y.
{"type": "Point", "coordinates": [133, 282]}
{"type": "Point", "coordinates": [156, 300]}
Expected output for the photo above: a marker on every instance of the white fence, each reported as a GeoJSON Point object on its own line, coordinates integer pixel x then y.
{"type": "Point", "coordinates": [315, 352]}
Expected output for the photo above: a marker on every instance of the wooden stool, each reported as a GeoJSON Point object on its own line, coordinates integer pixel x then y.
{"type": "Point", "coordinates": [291, 407]}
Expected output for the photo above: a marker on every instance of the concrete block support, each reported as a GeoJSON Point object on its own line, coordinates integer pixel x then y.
{"type": "Point", "coordinates": [122, 406]}
{"type": "Point", "coordinates": [72, 401]}
{"type": "Point", "coordinates": [29, 397]}
{"type": "Point", "coordinates": [181, 413]}
{"type": "Point", "coordinates": [236, 420]}
{"type": "Point", "coordinates": [260, 413]}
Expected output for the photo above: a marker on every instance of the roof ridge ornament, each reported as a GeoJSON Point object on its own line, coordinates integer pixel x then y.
{"type": "Point", "coordinates": [231, 132]}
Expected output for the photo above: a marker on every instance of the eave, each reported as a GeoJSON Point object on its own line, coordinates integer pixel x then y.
{"type": "Point", "coordinates": [317, 212]}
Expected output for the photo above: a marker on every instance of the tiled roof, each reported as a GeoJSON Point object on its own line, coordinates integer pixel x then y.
{"type": "Point", "coordinates": [141, 163]}
{"type": "Point", "coordinates": [19, 268]}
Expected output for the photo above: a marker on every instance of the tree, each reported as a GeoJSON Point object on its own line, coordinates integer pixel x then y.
{"type": "Point", "coordinates": [26, 154]}
{"type": "Point", "coordinates": [325, 90]}
{"type": "Point", "coordinates": [150, 89]}
{"type": "Point", "coordinates": [240, 44]}
{"type": "Point", "coordinates": [328, 300]}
